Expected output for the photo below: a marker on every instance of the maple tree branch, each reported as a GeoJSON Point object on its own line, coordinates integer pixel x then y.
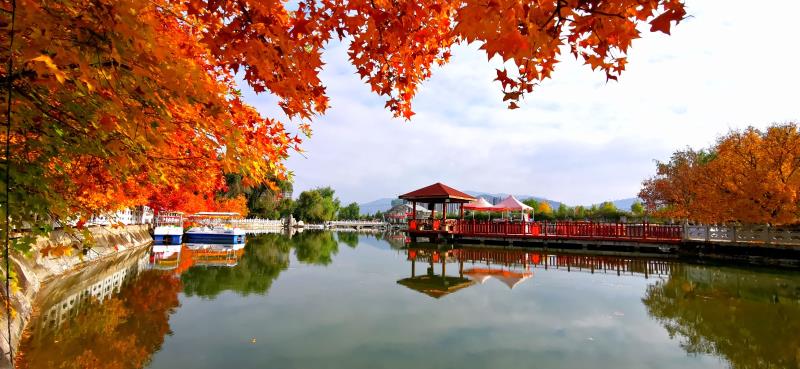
{"type": "Point", "coordinates": [174, 14]}
{"type": "Point", "coordinates": [150, 156]}
{"type": "Point", "coordinates": [556, 12]}
{"type": "Point", "coordinates": [600, 12]}
{"type": "Point", "coordinates": [41, 106]}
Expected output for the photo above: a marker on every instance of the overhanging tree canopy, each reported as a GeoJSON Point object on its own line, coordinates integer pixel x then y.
{"type": "Point", "coordinates": [127, 102]}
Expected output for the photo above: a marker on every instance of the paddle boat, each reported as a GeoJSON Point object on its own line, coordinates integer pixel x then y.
{"type": "Point", "coordinates": [168, 228]}
{"type": "Point", "coordinates": [214, 228]}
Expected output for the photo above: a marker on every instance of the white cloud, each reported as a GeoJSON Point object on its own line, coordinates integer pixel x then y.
{"type": "Point", "coordinates": [576, 138]}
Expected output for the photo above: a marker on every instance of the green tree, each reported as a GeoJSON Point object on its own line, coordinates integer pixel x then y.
{"type": "Point", "coordinates": [262, 201]}
{"type": "Point", "coordinates": [607, 210]}
{"type": "Point", "coordinates": [579, 212]}
{"type": "Point", "coordinates": [563, 211]}
{"type": "Point", "coordinates": [592, 211]}
{"type": "Point", "coordinates": [532, 203]}
{"type": "Point", "coordinates": [317, 205]}
{"type": "Point", "coordinates": [349, 212]}
{"type": "Point", "coordinates": [637, 209]}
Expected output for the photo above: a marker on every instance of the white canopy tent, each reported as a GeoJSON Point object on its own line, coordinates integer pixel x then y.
{"type": "Point", "coordinates": [510, 204]}
{"type": "Point", "coordinates": [479, 204]}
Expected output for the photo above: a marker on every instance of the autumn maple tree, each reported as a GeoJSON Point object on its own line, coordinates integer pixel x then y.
{"type": "Point", "coordinates": [748, 176]}
{"type": "Point", "coordinates": [116, 103]}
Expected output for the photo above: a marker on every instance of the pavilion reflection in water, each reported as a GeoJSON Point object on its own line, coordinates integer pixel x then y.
{"type": "Point", "coordinates": [513, 267]}
{"type": "Point", "coordinates": [429, 283]}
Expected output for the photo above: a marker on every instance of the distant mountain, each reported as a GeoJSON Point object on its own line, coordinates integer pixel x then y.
{"type": "Point", "coordinates": [372, 207]}
{"type": "Point", "coordinates": [625, 204]}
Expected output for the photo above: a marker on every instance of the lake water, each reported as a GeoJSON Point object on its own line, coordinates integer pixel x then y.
{"type": "Point", "coordinates": [325, 300]}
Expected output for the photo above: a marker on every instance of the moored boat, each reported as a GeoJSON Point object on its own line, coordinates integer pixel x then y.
{"type": "Point", "coordinates": [214, 228]}
{"type": "Point", "coordinates": [215, 234]}
{"type": "Point", "coordinates": [168, 228]}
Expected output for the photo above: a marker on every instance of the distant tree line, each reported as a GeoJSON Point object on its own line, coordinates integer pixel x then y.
{"type": "Point", "coordinates": [605, 211]}
{"type": "Point", "coordinates": [315, 205]}
{"type": "Point", "coordinates": [321, 205]}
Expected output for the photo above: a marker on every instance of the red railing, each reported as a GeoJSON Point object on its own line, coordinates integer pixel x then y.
{"type": "Point", "coordinates": [569, 230]}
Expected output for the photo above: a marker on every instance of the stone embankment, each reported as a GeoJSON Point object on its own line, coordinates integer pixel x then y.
{"type": "Point", "coordinates": [37, 269]}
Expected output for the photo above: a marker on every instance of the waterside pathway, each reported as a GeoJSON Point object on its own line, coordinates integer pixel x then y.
{"type": "Point", "coordinates": [327, 300]}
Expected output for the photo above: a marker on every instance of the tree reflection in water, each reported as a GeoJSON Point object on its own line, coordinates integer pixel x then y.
{"type": "Point", "coordinates": [264, 258]}
{"type": "Point", "coordinates": [315, 247]}
{"type": "Point", "coordinates": [751, 319]}
{"type": "Point", "coordinates": [348, 238]}
{"type": "Point", "coordinates": [122, 332]}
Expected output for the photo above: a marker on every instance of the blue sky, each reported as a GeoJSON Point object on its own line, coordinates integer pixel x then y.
{"type": "Point", "coordinates": [576, 138]}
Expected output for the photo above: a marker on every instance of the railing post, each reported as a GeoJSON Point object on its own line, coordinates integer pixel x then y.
{"type": "Point", "coordinates": [644, 230]}
{"type": "Point", "coordinates": [708, 233]}
{"type": "Point", "coordinates": [685, 230]}
{"type": "Point", "coordinates": [768, 235]}
{"type": "Point", "coordinates": [733, 235]}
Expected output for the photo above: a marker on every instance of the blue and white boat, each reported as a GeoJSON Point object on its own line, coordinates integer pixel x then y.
{"type": "Point", "coordinates": [168, 228]}
{"type": "Point", "coordinates": [215, 234]}
{"type": "Point", "coordinates": [215, 228]}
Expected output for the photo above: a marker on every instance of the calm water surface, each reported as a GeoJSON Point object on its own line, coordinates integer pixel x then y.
{"type": "Point", "coordinates": [324, 300]}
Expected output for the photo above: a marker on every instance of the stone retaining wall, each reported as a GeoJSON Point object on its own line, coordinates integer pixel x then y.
{"type": "Point", "coordinates": [34, 271]}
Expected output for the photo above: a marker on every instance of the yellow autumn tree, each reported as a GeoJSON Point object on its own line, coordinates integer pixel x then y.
{"type": "Point", "coordinates": [748, 176]}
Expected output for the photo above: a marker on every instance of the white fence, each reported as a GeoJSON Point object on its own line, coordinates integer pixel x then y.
{"type": "Point", "coordinates": [355, 224]}
{"type": "Point", "coordinates": [258, 224]}
{"type": "Point", "coordinates": [757, 234]}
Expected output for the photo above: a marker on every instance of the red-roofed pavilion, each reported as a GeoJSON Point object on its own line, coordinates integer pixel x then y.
{"type": "Point", "coordinates": [436, 193]}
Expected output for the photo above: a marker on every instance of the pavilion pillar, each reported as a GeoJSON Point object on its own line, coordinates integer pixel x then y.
{"type": "Point", "coordinates": [444, 210]}
{"type": "Point", "coordinates": [414, 210]}
{"type": "Point", "coordinates": [413, 267]}
{"type": "Point", "coordinates": [461, 210]}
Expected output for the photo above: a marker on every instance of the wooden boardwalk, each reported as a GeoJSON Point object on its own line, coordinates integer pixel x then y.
{"type": "Point", "coordinates": [579, 231]}
{"type": "Point", "coordinates": [728, 241]}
